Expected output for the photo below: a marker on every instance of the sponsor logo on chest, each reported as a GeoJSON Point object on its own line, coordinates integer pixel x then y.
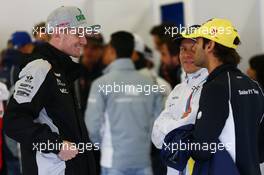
{"type": "Point", "coordinates": [61, 84]}
{"type": "Point", "coordinates": [248, 92]}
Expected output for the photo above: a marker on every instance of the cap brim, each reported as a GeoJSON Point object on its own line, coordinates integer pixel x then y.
{"type": "Point", "coordinates": [181, 37]}
{"type": "Point", "coordinates": [190, 36]}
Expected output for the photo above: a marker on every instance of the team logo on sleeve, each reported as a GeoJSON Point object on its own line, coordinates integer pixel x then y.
{"type": "Point", "coordinates": [25, 88]}
{"type": "Point", "coordinates": [29, 79]}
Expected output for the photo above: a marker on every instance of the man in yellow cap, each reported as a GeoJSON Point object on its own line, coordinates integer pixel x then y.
{"type": "Point", "coordinates": [231, 105]}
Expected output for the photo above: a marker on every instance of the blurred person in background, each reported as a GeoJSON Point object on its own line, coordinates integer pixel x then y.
{"type": "Point", "coordinates": [256, 72]}
{"type": "Point", "coordinates": [1, 143]}
{"type": "Point", "coordinates": [40, 33]}
{"type": "Point", "coordinates": [91, 61]}
{"type": "Point", "coordinates": [19, 49]}
{"type": "Point", "coordinates": [22, 42]}
{"type": "Point", "coordinates": [13, 58]}
{"type": "Point", "coordinates": [106, 60]}
{"type": "Point", "coordinates": [143, 60]}
{"type": "Point", "coordinates": [10, 44]}
{"type": "Point", "coordinates": [256, 69]}
{"type": "Point", "coordinates": [159, 35]}
{"type": "Point", "coordinates": [4, 163]}
{"type": "Point", "coordinates": [4, 66]}
{"type": "Point", "coordinates": [121, 120]}
{"type": "Point", "coordinates": [9, 147]}
{"type": "Point", "coordinates": [9, 163]}
{"type": "Point", "coordinates": [92, 68]}
{"type": "Point", "coordinates": [170, 68]}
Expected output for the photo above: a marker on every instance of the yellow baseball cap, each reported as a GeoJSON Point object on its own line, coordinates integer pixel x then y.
{"type": "Point", "coordinates": [219, 30]}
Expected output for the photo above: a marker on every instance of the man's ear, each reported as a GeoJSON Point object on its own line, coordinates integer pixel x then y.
{"type": "Point", "coordinates": [112, 51]}
{"type": "Point", "coordinates": [134, 56]}
{"type": "Point", "coordinates": [210, 46]}
{"type": "Point", "coordinates": [176, 59]}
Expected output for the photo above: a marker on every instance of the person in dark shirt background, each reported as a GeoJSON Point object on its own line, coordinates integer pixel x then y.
{"type": "Point", "coordinates": [91, 61]}
{"type": "Point", "coordinates": [256, 69]}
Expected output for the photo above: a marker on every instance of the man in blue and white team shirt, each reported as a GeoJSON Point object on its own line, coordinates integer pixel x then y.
{"type": "Point", "coordinates": [183, 102]}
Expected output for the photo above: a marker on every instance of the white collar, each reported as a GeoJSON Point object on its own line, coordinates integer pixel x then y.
{"type": "Point", "coordinates": [196, 77]}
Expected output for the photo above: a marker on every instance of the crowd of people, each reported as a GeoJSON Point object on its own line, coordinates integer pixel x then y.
{"type": "Point", "coordinates": [114, 97]}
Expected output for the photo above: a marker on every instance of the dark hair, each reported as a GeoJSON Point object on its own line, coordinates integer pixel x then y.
{"type": "Point", "coordinates": [173, 47]}
{"type": "Point", "coordinates": [143, 61]}
{"type": "Point", "coordinates": [40, 27]}
{"type": "Point", "coordinates": [257, 63]}
{"type": "Point", "coordinates": [95, 39]}
{"type": "Point", "coordinates": [160, 30]}
{"type": "Point", "coordinates": [148, 54]}
{"type": "Point", "coordinates": [225, 54]}
{"type": "Point", "coordinates": [123, 43]}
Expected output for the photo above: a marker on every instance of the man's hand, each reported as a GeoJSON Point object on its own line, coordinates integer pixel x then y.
{"type": "Point", "coordinates": [68, 151]}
